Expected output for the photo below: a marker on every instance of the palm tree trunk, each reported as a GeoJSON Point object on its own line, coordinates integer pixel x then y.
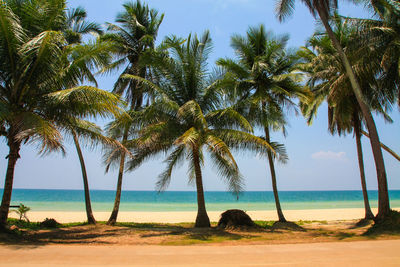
{"type": "Point", "coordinates": [385, 147]}
{"type": "Point", "coordinates": [13, 156]}
{"type": "Point", "coordinates": [368, 212]}
{"type": "Point", "coordinates": [383, 198]}
{"type": "Point", "coordinates": [202, 219]}
{"type": "Point", "coordinates": [281, 218]}
{"type": "Point", "coordinates": [89, 213]}
{"type": "Point", "coordinates": [113, 218]}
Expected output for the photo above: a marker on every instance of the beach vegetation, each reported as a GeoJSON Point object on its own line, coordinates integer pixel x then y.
{"type": "Point", "coordinates": [388, 225]}
{"type": "Point", "coordinates": [328, 81]}
{"type": "Point", "coordinates": [98, 53]}
{"type": "Point", "coordinates": [324, 10]}
{"type": "Point", "coordinates": [235, 218]}
{"type": "Point", "coordinates": [188, 116]}
{"type": "Point", "coordinates": [177, 106]}
{"type": "Point", "coordinates": [49, 223]}
{"type": "Point", "coordinates": [134, 34]}
{"type": "Point", "coordinates": [22, 212]}
{"type": "Point", "coordinates": [39, 76]}
{"type": "Point", "coordinates": [22, 232]}
{"type": "Point", "coordinates": [262, 85]}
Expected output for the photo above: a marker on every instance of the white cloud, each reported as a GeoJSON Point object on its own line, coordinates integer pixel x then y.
{"type": "Point", "coordinates": [224, 4]}
{"type": "Point", "coordinates": [323, 155]}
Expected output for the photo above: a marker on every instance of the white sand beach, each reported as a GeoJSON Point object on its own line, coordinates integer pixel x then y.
{"type": "Point", "coordinates": [189, 216]}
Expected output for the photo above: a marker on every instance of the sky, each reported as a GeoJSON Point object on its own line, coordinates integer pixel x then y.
{"type": "Point", "coordinates": [317, 160]}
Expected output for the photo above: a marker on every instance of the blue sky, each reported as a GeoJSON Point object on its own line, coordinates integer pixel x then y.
{"type": "Point", "coordinates": [318, 161]}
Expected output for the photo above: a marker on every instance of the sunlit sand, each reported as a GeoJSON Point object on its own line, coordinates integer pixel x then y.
{"type": "Point", "coordinates": [190, 216]}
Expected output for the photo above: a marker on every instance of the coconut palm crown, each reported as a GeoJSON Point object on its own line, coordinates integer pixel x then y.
{"type": "Point", "coordinates": [263, 84]}
{"type": "Point", "coordinates": [324, 9]}
{"type": "Point", "coordinates": [328, 81]}
{"type": "Point", "coordinates": [38, 92]}
{"type": "Point", "coordinates": [188, 117]}
{"type": "Point", "coordinates": [135, 33]}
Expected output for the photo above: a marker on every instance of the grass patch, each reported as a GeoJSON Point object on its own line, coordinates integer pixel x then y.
{"type": "Point", "coordinates": [265, 224]}
{"type": "Point", "coordinates": [301, 222]}
{"type": "Point", "coordinates": [21, 224]}
{"type": "Point", "coordinates": [207, 237]}
{"type": "Point", "coordinates": [344, 235]}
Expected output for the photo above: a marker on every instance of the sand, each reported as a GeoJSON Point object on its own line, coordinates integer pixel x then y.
{"type": "Point", "coordinates": [361, 253]}
{"type": "Point", "coordinates": [189, 216]}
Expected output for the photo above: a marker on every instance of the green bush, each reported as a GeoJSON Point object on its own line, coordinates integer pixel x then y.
{"type": "Point", "coordinates": [50, 223]}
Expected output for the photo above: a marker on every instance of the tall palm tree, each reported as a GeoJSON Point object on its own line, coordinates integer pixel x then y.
{"type": "Point", "coordinates": [328, 80]}
{"type": "Point", "coordinates": [92, 135]}
{"type": "Point", "coordinates": [137, 33]}
{"type": "Point", "coordinates": [381, 36]}
{"type": "Point", "coordinates": [97, 55]}
{"type": "Point", "coordinates": [36, 99]}
{"type": "Point", "coordinates": [263, 85]}
{"type": "Point", "coordinates": [188, 116]}
{"type": "Point", "coordinates": [324, 9]}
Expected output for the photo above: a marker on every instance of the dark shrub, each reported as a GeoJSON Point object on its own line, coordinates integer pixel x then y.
{"type": "Point", "coordinates": [50, 223]}
{"type": "Point", "coordinates": [235, 218]}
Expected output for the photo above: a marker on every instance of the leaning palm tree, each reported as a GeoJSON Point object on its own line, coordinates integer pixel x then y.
{"type": "Point", "coordinates": [188, 116]}
{"type": "Point", "coordinates": [36, 97]}
{"type": "Point", "coordinates": [328, 81]}
{"type": "Point", "coordinates": [324, 9]}
{"type": "Point", "coordinates": [382, 36]}
{"type": "Point", "coordinates": [137, 33]}
{"type": "Point", "coordinates": [263, 85]}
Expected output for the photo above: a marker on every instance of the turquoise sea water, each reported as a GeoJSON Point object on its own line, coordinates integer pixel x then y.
{"type": "Point", "coordinates": [102, 200]}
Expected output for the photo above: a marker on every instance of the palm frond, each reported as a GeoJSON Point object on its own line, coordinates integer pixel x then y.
{"type": "Point", "coordinates": [173, 160]}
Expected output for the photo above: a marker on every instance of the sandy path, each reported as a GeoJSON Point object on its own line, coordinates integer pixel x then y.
{"type": "Point", "coordinates": [190, 216]}
{"type": "Point", "coordinates": [365, 253]}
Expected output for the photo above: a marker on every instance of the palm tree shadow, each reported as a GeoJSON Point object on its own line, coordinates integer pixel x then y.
{"type": "Point", "coordinates": [362, 223]}
{"type": "Point", "coordinates": [201, 234]}
{"type": "Point", "coordinates": [75, 235]}
{"type": "Point", "coordinates": [291, 226]}
{"type": "Point", "coordinates": [212, 233]}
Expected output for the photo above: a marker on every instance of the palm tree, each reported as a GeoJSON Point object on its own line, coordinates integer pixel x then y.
{"type": "Point", "coordinates": [22, 211]}
{"type": "Point", "coordinates": [36, 98]}
{"type": "Point", "coordinates": [263, 85]}
{"type": "Point", "coordinates": [324, 8]}
{"type": "Point", "coordinates": [188, 116]}
{"type": "Point", "coordinates": [137, 33]}
{"type": "Point", "coordinates": [97, 55]}
{"type": "Point", "coordinates": [328, 80]}
{"type": "Point", "coordinates": [383, 36]}
{"type": "Point", "coordinates": [76, 26]}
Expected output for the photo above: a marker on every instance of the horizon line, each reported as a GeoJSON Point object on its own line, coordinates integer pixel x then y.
{"type": "Point", "coordinates": [129, 190]}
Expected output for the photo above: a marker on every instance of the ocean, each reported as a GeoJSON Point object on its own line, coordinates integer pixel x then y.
{"type": "Point", "coordinates": [102, 200]}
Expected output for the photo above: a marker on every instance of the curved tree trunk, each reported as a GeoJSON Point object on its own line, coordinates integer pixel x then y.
{"type": "Point", "coordinates": [202, 219]}
{"type": "Point", "coordinates": [385, 147]}
{"type": "Point", "coordinates": [89, 213]}
{"type": "Point", "coordinates": [13, 156]}
{"type": "Point", "coordinates": [281, 218]}
{"type": "Point", "coordinates": [113, 218]}
{"type": "Point", "coordinates": [368, 212]}
{"type": "Point", "coordinates": [383, 198]}
{"type": "Point", "coordinates": [135, 104]}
